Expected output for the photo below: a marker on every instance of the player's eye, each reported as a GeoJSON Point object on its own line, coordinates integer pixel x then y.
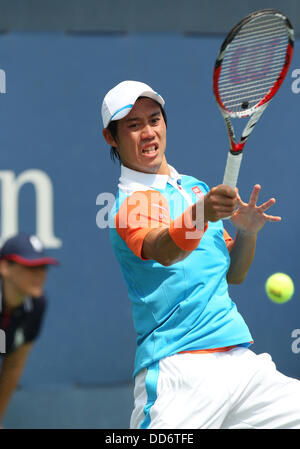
{"type": "Point", "coordinates": [155, 120]}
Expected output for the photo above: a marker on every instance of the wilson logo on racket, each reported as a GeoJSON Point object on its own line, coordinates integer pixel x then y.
{"type": "Point", "coordinates": [250, 68]}
{"type": "Point", "coordinates": [258, 69]}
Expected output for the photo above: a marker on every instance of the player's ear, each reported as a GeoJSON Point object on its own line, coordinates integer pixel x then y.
{"type": "Point", "coordinates": [109, 138]}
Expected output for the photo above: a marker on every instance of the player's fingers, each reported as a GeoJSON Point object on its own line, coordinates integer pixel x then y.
{"type": "Point", "coordinates": [223, 201]}
{"type": "Point", "coordinates": [267, 204]}
{"type": "Point", "coordinates": [219, 211]}
{"type": "Point", "coordinates": [254, 195]}
{"type": "Point", "coordinates": [214, 199]}
{"type": "Point", "coordinates": [239, 200]}
{"type": "Point", "coordinates": [224, 190]}
{"type": "Point", "coordinates": [224, 209]}
{"type": "Point", "coordinates": [272, 218]}
{"type": "Point", "coordinates": [222, 212]}
{"type": "Point", "coordinates": [220, 215]}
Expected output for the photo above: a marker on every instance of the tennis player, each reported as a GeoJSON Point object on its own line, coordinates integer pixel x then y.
{"type": "Point", "coordinates": [194, 367]}
{"type": "Point", "coordinates": [23, 272]}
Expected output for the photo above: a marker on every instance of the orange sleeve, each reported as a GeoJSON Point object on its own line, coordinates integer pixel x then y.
{"type": "Point", "coordinates": [144, 211]}
{"type": "Point", "coordinates": [184, 233]}
{"type": "Point", "coordinates": [139, 214]}
{"type": "Point", "coordinates": [227, 237]}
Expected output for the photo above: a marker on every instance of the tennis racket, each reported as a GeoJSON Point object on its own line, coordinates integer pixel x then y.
{"type": "Point", "coordinates": [250, 68]}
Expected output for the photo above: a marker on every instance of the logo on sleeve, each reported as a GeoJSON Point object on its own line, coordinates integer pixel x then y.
{"type": "Point", "coordinates": [19, 338]}
{"type": "Point", "coordinates": [197, 191]}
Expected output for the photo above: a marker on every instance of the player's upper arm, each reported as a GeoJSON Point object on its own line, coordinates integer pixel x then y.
{"type": "Point", "coordinates": [143, 222]}
{"type": "Point", "coordinates": [138, 215]}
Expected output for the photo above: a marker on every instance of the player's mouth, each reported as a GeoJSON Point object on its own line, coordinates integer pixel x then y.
{"type": "Point", "coordinates": [150, 150]}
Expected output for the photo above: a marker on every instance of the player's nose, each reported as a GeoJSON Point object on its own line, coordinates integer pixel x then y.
{"type": "Point", "coordinates": [147, 132]}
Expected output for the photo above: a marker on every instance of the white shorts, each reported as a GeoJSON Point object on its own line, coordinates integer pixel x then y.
{"type": "Point", "coordinates": [236, 389]}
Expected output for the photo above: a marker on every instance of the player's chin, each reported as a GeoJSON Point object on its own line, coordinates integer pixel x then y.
{"type": "Point", "coordinates": [35, 291]}
{"type": "Point", "coordinates": [152, 166]}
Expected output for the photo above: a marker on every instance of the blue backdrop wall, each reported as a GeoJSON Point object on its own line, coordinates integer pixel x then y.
{"type": "Point", "coordinates": [51, 132]}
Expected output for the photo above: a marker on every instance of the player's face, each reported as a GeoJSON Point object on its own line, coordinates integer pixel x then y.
{"type": "Point", "coordinates": [26, 281]}
{"type": "Point", "coordinates": [141, 138]}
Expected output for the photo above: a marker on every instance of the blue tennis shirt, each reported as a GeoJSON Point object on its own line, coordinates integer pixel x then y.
{"type": "Point", "coordinates": [185, 306]}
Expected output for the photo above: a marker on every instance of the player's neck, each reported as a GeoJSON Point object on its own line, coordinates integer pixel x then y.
{"type": "Point", "coordinates": [164, 169]}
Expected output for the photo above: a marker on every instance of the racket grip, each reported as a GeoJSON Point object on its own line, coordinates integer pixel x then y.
{"type": "Point", "coordinates": [232, 169]}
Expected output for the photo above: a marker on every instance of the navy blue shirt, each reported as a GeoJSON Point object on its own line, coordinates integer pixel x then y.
{"type": "Point", "coordinates": [22, 324]}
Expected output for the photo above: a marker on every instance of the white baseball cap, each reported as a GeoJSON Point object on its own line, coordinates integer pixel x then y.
{"type": "Point", "coordinates": [119, 101]}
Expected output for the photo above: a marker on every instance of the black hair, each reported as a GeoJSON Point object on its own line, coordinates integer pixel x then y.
{"type": "Point", "coordinates": [113, 129]}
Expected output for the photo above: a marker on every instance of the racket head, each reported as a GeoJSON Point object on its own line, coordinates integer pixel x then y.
{"type": "Point", "coordinates": [252, 62]}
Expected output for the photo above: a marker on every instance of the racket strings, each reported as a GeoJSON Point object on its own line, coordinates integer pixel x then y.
{"type": "Point", "coordinates": [276, 64]}
{"type": "Point", "coordinates": [267, 29]}
{"type": "Point", "coordinates": [274, 50]}
{"type": "Point", "coordinates": [252, 62]}
{"type": "Point", "coordinates": [278, 56]}
{"type": "Point", "coordinates": [251, 97]}
{"type": "Point", "coordinates": [252, 87]}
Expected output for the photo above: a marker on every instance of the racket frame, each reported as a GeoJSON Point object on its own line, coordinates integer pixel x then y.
{"type": "Point", "coordinates": [235, 153]}
{"type": "Point", "coordinates": [255, 112]}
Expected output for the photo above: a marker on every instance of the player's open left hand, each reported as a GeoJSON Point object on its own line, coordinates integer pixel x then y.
{"type": "Point", "coordinates": [251, 218]}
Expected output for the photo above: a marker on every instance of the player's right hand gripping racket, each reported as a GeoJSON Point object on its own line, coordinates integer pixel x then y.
{"type": "Point", "coordinates": [250, 68]}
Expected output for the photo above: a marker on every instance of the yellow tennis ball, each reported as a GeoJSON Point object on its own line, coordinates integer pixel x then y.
{"type": "Point", "coordinates": [280, 287]}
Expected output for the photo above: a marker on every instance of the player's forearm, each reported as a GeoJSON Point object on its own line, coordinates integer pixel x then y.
{"type": "Point", "coordinates": [158, 245]}
{"type": "Point", "coordinates": [242, 251]}
{"type": "Point", "coordinates": [11, 371]}
{"type": "Point", "coordinates": [9, 379]}
{"type": "Point", "coordinates": [171, 245]}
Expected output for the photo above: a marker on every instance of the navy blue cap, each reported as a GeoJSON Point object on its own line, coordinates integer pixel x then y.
{"type": "Point", "coordinates": [26, 249]}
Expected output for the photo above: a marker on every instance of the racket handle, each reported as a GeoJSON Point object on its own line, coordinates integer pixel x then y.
{"type": "Point", "coordinates": [232, 169]}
